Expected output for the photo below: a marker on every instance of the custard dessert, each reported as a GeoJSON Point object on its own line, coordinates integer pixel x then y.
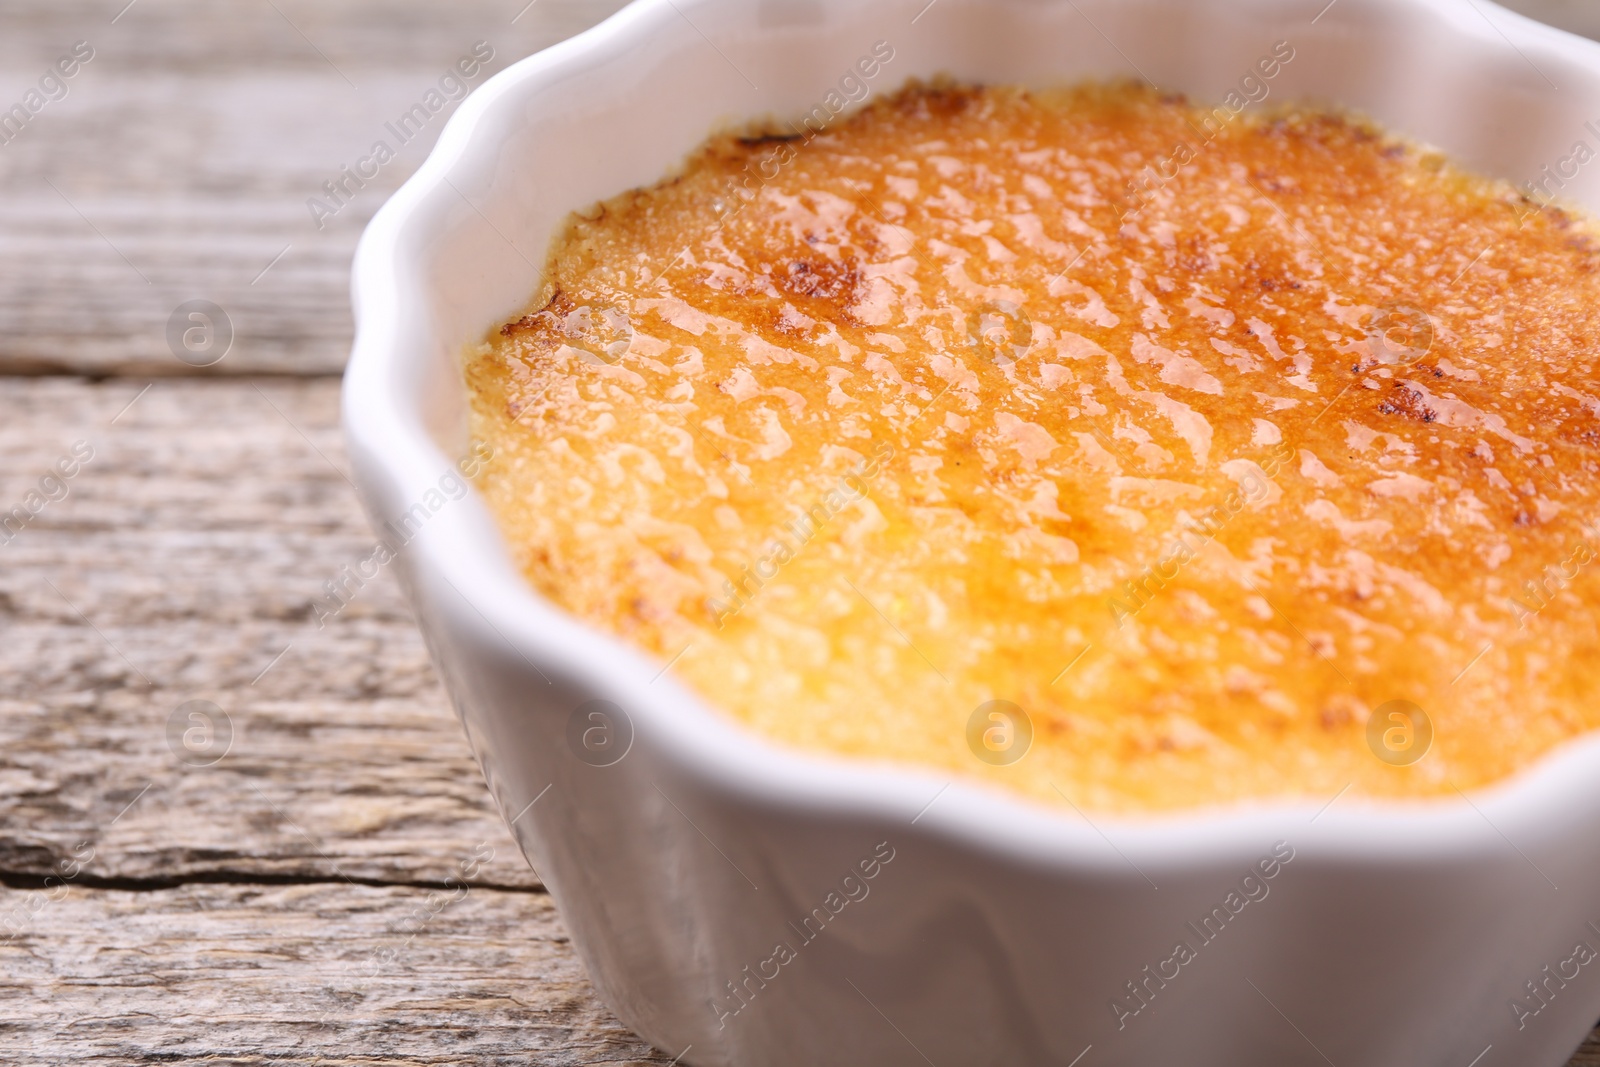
{"type": "Point", "coordinates": [1114, 450]}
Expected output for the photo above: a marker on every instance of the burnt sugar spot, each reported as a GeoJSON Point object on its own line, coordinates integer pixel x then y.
{"type": "Point", "coordinates": [820, 279]}
{"type": "Point", "coordinates": [763, 139]}
{"type": "Point", "coordinates": [823, 287]}
{"type": "Point", "coordinates": [1269, 277]}
{"type": "Point", "coordinates": [940, 100]}
{"type": "Point", "coordinates": [555, 306]}
{"type": "Point", "coordinates": [1407, 402]}
{"type": "Point", "coordinates": [1192, 255]}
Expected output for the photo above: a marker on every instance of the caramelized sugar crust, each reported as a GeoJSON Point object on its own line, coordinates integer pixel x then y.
{"type": "Point", "coordinates": [933, 410]}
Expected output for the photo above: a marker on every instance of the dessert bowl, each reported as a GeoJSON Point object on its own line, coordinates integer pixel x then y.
{"type": "Point", "coordinates": [738, 903]}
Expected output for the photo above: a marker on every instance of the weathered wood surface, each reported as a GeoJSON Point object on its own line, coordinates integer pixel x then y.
{"type": "Point", "coordinates": [180, 162]}
{"type": "Point", "coordinates": [287, 903]}
{"type": "Point", "coordinates": [1574, 16]}
{"type": "Point", "coordinates": [192, 544]}
{"type": "Point", "coordinates": [329, 974]}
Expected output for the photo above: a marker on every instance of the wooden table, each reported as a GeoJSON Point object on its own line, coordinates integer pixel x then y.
{"type": "Point", "coordinates": [289, 888]}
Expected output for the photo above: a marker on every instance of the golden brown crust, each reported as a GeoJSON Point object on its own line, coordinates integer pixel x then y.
{"type": "Point", "coordinates": [936, 409]}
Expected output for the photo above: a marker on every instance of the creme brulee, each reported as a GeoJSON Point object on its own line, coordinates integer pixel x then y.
{"type": "Point", "coordinates": [1113, 449]}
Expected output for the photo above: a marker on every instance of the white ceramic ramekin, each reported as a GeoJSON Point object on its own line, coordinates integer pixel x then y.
{"type": "Point", "coordinates": [716, 886]}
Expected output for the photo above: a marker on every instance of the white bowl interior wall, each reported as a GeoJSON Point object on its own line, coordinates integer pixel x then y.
{"type": "Point", "coordinates": [1011, 927]}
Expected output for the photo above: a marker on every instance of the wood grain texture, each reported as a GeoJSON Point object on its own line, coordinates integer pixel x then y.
{"type": "Point", "coordinates": [180, 163]}
{"type": "Point", "coordinates": [183, 560]}
{"type": "Point", "coordinates": [287, 904]}
{"type": "Point", "coordinates": [279, 905]}
{"type": "Point", "coordinates": [336, 888]}
{"type": "Point", "coordinates": [1574, 16]}
{"type": "Point", "coordinates": [330, 974]}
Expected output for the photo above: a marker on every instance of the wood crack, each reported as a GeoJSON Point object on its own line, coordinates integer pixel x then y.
{"type": "Point", "coordinates": [29, 367]}
{"type": "Point", "coordinates": [32, 880]}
